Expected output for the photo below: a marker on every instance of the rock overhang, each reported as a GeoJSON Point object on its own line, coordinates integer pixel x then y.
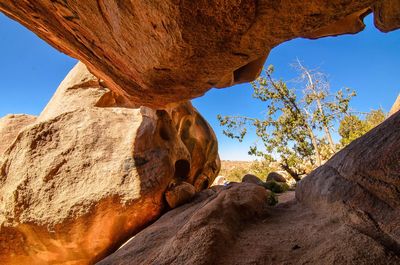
{"type": "Point", "coordinates": [156, 53]}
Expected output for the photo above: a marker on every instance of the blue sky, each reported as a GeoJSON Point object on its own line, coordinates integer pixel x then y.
{"type": "Point", "coordinates": [368, 62]}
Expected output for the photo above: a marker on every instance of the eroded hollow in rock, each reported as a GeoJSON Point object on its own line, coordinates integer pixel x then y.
{"type": "Point", "coordinates": [182, 169]}
{"type": "Point", "coordinates": [204, 184]}
{"type": "Point", "coordinates": [117, 152]}
{"type": "Point", "coordinates": [165, 125]}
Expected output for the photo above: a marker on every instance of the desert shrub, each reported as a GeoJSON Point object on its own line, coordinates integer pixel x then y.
{"type": "Point", "coordinates": [234, 171]}
{"type": "Point", "coordinates": [260, 168]}
{"type": "Point", "coordinates": [276, 187]}
{"type": "Point", "coordinates": [272, 199]}
{"type": "Point", "coordinates": [235, 174]}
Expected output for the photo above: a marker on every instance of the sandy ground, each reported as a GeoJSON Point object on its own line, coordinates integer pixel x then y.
{"type": "Point", "coordinates": [211, 230]}
{"type": "Point", "coordinates": [291, 233]}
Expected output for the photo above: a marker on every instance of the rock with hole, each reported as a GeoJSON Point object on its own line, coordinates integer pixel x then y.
{"type": "Point", "coordinates": [88, 174]}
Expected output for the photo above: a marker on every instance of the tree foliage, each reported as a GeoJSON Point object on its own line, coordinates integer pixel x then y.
{"type": "Point", "coordinates": [352, 127]}
{"type": "Point", "coordinates": [296, 128]}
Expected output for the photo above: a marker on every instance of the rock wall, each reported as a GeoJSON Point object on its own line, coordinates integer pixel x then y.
{"type": "Point", "coordinates": [233, 224]}
{"type": "Point", "coordinates": [196, 233]}
{"type": "Point", "coordinates": [157, 52]}
{"type": "Point", "coordinates": [361, 184]}
{"type": "Point", "coordinates": [110, 153]}
{"type": "Point", "coordinates": [347, 212]}
{"type": "Point", "coordinates": [82, 179]}
{"type": "Point", "coordinates": [10, 126]}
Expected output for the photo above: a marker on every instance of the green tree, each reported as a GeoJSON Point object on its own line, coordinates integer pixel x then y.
{"type": "Point", "coordinates": [373, 119]}
{"type": "Point", "coordinates": [296, 129]}
{"type": "Point", "coordinates": [352, 127]}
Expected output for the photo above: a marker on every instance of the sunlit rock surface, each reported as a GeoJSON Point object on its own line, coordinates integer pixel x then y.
{"type": "Point", "coordinates": [89, 173]}
{"type": "Point", "coordinates": [158, 52]}
{"type": "Point", "coordinates": [361, 185]}
{"type": "Point", "coordinates": [10, 126]}
{"type": "Point", "coordinates": [233, 224]}
{"type": "Point", "coordinates": [83, 178]}
{"type": "Point", "coordinates": [196, 233]}
{"type": "Point", "coordinates": [396, 106]}
{"type": "Point", "coordinates": [345, 212]}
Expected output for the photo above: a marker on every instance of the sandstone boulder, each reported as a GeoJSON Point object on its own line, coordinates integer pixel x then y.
{"type": "Point", "coordinates": [347, 212]}
{"type": "Point", "coordinates": [196, 233]}
{"type": "Point", "coordinates": [10, 126]}
{"type": "Point", "coordinates": [234, 225]}
{"type": "Point", "coordinates": [250, 178]}
{"type": "Point", "coordinates": [83, 178]}
{"type": "Point", "coordinates": [275, 176]}
{"type": "Point", "coordinates": [361, 185]}
{"type": "Point", "coordinates": [157, 52]}
{"type": "Point", "coordinates": [179, 194]}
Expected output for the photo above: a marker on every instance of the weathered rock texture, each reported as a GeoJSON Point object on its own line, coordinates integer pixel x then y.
{"type": "Point", "coordinates": [196, 233]}
{"type": "Point", "coordinates": [180, 194]}
{"type": "Point", "coordinates": [82, 179]}
{"type": "Point", "coordinates": [396, 106]}
{"type": "Point", "coordinates": [361, 185]}
{"type": "Point", "coordinates": [10, 126]}
{"type": "Point", "coordinates": [250, 178]}
{"type": "Point", "coordinates": [347, 212]}
{"type": "Point", "coordinates": [87, 173]}
{"type": "Point", "coordinates": [157, 52]}
{"type": "Point", "coordinates": [275, 176]}
{"type": "Point", "coordinates": [233, 225]}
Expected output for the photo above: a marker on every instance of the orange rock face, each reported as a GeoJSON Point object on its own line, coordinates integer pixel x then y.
{"type": "Point", "coordinates": [346, 212]}
{"type": "Point", "coordinates": [158, 52]}
{"type": "Point", "coordinates": [197, 233]}
{"type": "Point", "coordinates": [10, 126]}
{"type": "Point", "coordinates": [101, 162]}
{"type": "Point", "coordinates": [233, 225]}
{"type": "Point", "coordinates": [81, 179]}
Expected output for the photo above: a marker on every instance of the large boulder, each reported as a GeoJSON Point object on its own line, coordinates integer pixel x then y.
{"type": "Point", "coordinates": [157, 52]}
{"type": "Point", "coordinates": [88, 174]}
{"type": "Point", "coordinates": [361, 185]}
{"type": "Point", "coordinates": [10, 126]}
{"type": "Point", "coordinates": [196, 233]}
{"type": "Point", "coordinates": [276, 176]}
{"type": "Point", "coordinates": [177, 195]}
{"type": "Point", "coordinates": [250, 178]}
{"type": "Point", "coordinates": [233, 225]}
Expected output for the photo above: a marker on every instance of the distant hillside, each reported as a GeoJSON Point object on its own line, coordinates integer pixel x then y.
{"type": "Point", "coordinates": [235, 170]}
